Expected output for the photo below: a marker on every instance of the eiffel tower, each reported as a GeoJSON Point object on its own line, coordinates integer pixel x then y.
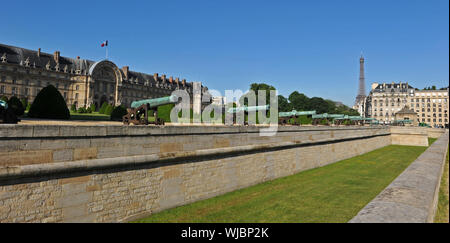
{"type": "Point", "coordinates": [362, 88]}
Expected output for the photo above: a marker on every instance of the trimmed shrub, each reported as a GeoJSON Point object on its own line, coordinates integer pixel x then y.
{"type": "Point", "coordinates": [24, 102]}
{"type": "Point", "coordinates": [118, 112]}
{"type": "Point", "coordinates": [109, 109]}
{"type": "Point", "coordinates": [16, 105]}
{"type": "Point", "coordinates": [82, 110]}
{"type": "Point", "coordinates": [305, 120]}
{"type": "Point", "coordinates": [49, 103]}
{"type": "Point", "coordinates": [89, 110]}
{"type": "Point", "coordinates": [92, 107]}
{"type": "Point", "coordinates": [73, 108]}
{"type": "Point", "coordinates": [103, 108]}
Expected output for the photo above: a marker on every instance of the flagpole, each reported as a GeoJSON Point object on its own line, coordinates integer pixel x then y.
{"type": "Point", "coordinates": [106, 52]}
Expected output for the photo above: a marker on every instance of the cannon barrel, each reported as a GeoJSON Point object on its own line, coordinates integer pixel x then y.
{"type": "Point", "coordinates": [296, 113]}
{"type": "Point", "coordinates": [357, 118]}
{"type": "Point", "coordinates": [326, 115]}
{"type": "Point", "coordinates": [4, 104]}
{"type": "Point", "coordinates": [248, 108]}
{"type": "Point", "coordinates": [138, 113]}
{"type": "Point", "coordinates": [155, 102]}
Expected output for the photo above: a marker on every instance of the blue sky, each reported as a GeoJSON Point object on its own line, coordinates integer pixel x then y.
{"type": "Point", "coordinates": [309, 46]}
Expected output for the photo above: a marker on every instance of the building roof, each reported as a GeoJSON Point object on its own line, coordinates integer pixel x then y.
{"type": "Point", "coordinates": [38, 59]}
{"type": "Point", "coordinates": [21, 56]}
{"type": "Point", "coordinates": [392, 86]}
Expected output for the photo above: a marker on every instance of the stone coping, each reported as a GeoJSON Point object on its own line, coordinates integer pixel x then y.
{"type": "Point", "coordinates": [8, 131]}
{"type": "Point", "coordinates": [412, 197]}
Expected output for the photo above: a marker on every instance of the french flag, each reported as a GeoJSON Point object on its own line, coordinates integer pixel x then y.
{"type": "Point", "coordinates": [105, 44]}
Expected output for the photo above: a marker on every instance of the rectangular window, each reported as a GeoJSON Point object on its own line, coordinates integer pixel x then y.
{"type": "Point", "coordinates": [2, 89]}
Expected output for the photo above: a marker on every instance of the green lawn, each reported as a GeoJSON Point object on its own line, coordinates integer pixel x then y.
{"type": "Point", "coordinates": [333, 193]}
{"type": "Point", "coordinates": [431, 141]}
{"type": "Point", "coordinates": [442, 210]}
{"type": "Point", "coordinates": [94, 116]}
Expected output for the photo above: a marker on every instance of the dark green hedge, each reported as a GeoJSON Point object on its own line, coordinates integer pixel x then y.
{"type": "Point", "coordinates": [16, 105]}
{"type": "Point", "coordinates": [49, 103]}
{"type": "Point", "coordinates": [118, 113]}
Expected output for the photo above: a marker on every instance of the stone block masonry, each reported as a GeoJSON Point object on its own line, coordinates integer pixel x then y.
{"type": "Point", "coordinates": [115, 173]}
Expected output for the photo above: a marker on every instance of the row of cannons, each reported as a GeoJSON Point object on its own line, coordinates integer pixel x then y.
{"type": "Point", "coordinates": [138, 114]}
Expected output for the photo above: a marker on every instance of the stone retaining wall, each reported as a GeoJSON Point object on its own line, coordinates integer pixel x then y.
{"type": "Point", "coordinates": [117, 173]}
{"type": "Point", "coordinates": [413, 136]}
{"type": "Point", "coordinates": [412, 197]}
{"type": "Point", "coordinates": [39, 144]}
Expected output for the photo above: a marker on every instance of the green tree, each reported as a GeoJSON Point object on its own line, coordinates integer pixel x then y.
{"type": "Point", "coordinates": [318, 104]}
{"type": "Point", "coordinates": [283, 104]}
{"type": "Point", "coordinates": [299, 102]}
{"type": "Point", "coordinates": [256, 87]}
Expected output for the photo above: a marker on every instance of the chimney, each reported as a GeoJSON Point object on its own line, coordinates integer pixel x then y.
{"type": "Point", "coordinates": [177, 80]}
{"type": "Point", "coordinates": [125, 70]}
{"type": "Point", "coordinates": [56, 56]}
{"type": "Point", "coordinates": [163, 77]}
{"type": "Point", "coordinates": [39, 52]}
{"type": "Point", "coordinates": [184, 81]}
{"type": "Point", "coordinates": [78, 57]}
{"type": "Point", "coordinates": [171, 79]}
{"type": "Point", "coordinates": [155, 77]}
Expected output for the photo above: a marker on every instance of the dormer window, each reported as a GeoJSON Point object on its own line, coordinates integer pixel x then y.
{"type": "Point", "coordinates": [48, 65]}
{"type": "Point", "coordinates": [27, 62]}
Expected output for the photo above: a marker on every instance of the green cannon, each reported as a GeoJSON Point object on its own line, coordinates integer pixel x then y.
{"type": "Point", "coordinates": [284, 117]}
{"type": "Point", "coordinates": [7, 114]}
{"type": "Point", "coordinates": [351, 120]}
{"type": "Point", "coordinates": [342, 120]}
{"type": "Point", "coordinates": [325, 118]}
{"type": "Point", "coordinates": [246, 109]}
{"type": "Point", "coordinates": [356, 120]}
{"type": "Point", "coordinates": [138, 113]}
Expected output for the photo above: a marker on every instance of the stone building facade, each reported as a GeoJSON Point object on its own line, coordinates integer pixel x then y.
{"type": "Point", "coordinates": [386, 99]}
{"type": "Point", "coordinates": [431, 106]}
{"type": "Point", "coordinates": [23, 73]}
